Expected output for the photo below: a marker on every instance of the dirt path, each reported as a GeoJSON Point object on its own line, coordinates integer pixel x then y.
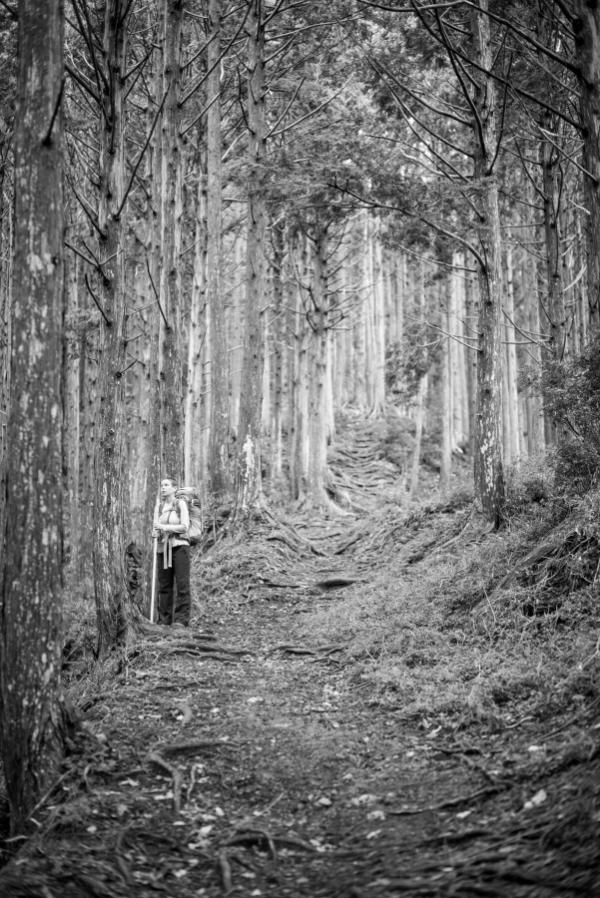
{"type": "Point", "coordinates": [263, 773]}
{"type": "Point", "coordinates": [326, 729]}
{"type": "Point", "coordinates": [250, 757]}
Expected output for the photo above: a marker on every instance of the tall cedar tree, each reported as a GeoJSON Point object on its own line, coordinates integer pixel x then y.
{"type": "Point", "coordinates": [31, 581]}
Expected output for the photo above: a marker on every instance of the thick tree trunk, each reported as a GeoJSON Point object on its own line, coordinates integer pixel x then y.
{"type": "Point", "coordinates": [5, 283]}
{"type": "Point", "coordinates": [170, 348]}
{"type": "Point", "coordinates": [31, 570]}
{"type": "Point", "coordinates": [110, 495]}
{"type": "Point", "coordinates": [489, 475]}
{"type": "Point", "coordinates": [587, 42]}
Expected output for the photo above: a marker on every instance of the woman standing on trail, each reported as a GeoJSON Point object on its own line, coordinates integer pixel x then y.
{"type": "Point", "coordinates": [171, 522]}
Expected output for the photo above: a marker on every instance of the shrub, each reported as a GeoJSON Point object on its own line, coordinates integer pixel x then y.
{"type": "Point", "coordinates": [571, 391]}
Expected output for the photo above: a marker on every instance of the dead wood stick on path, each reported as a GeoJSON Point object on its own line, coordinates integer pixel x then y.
{"type": "Point", "coordinates": [175, 748]}
{"type": "Point", "coordinates": [201, 648]}
{"type": "Point", "coordinates": [48, 793]}
{"type": "Point", "coordinates": [292, 650]}
{"type": "Point", "coordinates": [254, 836]}
{"type": "Point", "coordinates": [321, 652]}
{"type": "Point", "coordinates": [277, 585]}
{"type": "Point", "coordinates": [230, 658]}
{"type": "Point", "coordinates": [225, 871]}
{"type": "Point", "coordinates": [336, 582]}
{"type": "Point", "coordinates": [450, 803]}
{"type": "Point", "coordinates": [155, 758]}
{"type": "Point", "coordinates": [474, 765]}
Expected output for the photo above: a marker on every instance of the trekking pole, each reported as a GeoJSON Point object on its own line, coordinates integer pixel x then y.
{"type": "Point", "coordinates": [154, 567]}
{"type": "Point", "coordinates": [154, 563]}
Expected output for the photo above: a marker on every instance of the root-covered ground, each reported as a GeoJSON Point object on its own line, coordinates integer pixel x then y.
{"type": "Point", "coordinates": [399, 702]}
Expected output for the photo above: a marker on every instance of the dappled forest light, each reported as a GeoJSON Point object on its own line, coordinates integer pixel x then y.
{"type": "Point", "coordinates": [335, 269]}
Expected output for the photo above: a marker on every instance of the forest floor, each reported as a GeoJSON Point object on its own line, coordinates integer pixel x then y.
{"type": "Point", "coordinates": [385, 703]}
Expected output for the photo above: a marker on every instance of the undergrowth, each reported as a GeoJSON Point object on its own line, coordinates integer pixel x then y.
{"type": "Point", "coordinates": [484, 622]}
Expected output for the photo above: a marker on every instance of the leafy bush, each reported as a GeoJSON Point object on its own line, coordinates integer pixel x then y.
{"type": "Point", "coordinates": [407, 362]}
{"type": "Point", "coordinates": [571, 391]}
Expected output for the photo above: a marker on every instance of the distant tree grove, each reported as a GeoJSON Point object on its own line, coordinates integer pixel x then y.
{"type": "Point", "coordinates": [225, 222]}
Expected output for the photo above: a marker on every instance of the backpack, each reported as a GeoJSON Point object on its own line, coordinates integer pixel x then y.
{"type": "Point", "coordinates": [190, 496]}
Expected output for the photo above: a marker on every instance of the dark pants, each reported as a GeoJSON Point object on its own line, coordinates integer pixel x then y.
{"type": "Point", "coordinates": [175, 605]}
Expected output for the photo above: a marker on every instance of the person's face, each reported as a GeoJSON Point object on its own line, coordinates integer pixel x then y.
{"type": "Point", "coordinates": [167, 489]}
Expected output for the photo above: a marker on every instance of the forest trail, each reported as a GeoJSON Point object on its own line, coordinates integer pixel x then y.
{"type": "Point", "coordinates": [241, 758]}
{"type": "Point", "coordinates": [327, 728]}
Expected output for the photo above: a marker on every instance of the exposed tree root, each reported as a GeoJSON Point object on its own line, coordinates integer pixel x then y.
{"type": "Point", "coordinates": [174, 773]}
{"type": "Point", "coordinates": [195, 747]}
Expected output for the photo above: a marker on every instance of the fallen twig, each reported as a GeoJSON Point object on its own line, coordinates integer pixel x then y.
{"type": "Point", "coordinates": [225, 871]}
{"type": "Point", "coordinates": [449, 803]}
{"type": "Point", "coordinates": [155, 758]}
{"type": "Point", "coordinates": [175, 748]}
{"type": "Point", "coordinates": [258, 837]}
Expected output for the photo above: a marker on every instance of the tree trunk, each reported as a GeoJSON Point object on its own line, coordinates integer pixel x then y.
{"type": "Point", "coordinates": [551, 192]}
{"type": "Point", "coordinates": [197, 333]}
{"type": "Point", "coordinates": [248, 479]}
{"type": "Point", "coordinates": [171, 354]}
{"type": "Point", "coordinates": [448, 387]}
{"type": "Point", "coordinates": [219, 431]}
{"type": "Point", "coordinates": [5, 287]}
{"type": "Point", "coordinates": [110, 495]}
{"type": "Point", "coordinates": [279, 342]}
{"type": "Point", "coordinates": [489, 475]}
{"type": "Point", "coordinates": [318, 372]}
{"type": "Point", "coordinates": [587, 43]}
{"type": "Point", "coordinates": [513, 425]}
{"type": "Point", "coordinates": [419, 426]}
{"type": "Point", "coordinates": [31, 573]}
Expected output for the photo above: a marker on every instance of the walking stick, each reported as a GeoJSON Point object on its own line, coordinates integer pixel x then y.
{"type": "Point", "coordinates": [154, 566]}
{"type": "Point", "coordinates": [154, 561]}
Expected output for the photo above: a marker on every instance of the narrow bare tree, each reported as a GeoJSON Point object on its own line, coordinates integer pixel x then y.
{"type": "Point", "coordinates": [218, 450]}
{"type": "Point", "coordinates": [489, 476]}
{"type": "Point", "coordinates": [31, 570]}
{"type": "Point", "coordinates": [248, 467]}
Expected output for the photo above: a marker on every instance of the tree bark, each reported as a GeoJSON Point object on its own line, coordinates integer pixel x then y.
{"type": "Point", "coordinates": [248, 475]}
{"type": "Point", "coordinates": [489, 475]}
{"type": "Point", "coordinates": [170, 348]}
{"type": "Point", "coordinates": [512, 435]}
{"type": "Point", "coordinates": [318, 371]}
{"type": "Point", "coordinates": [219, 431]}
{"type": "Point", "coordinates": [198, 373]}
{"type": "Point", "coordinates": [110, 495]}
{"type": "Point", "coordinates": [31, 573]}
{"type": "Point", "coordinates": [551, 192]}
{"type": "Point", "coordinates": [587, 44]}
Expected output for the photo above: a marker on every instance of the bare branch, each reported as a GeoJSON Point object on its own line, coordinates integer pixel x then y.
{"type": "Point", "coordinates": [157, 297]}
{"type": "Point", "coordinates": [82, 82]}
{"type": "Point", "coordinates": [140, 156]}
{"type": "Point", "coordinates": [97, 301]}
